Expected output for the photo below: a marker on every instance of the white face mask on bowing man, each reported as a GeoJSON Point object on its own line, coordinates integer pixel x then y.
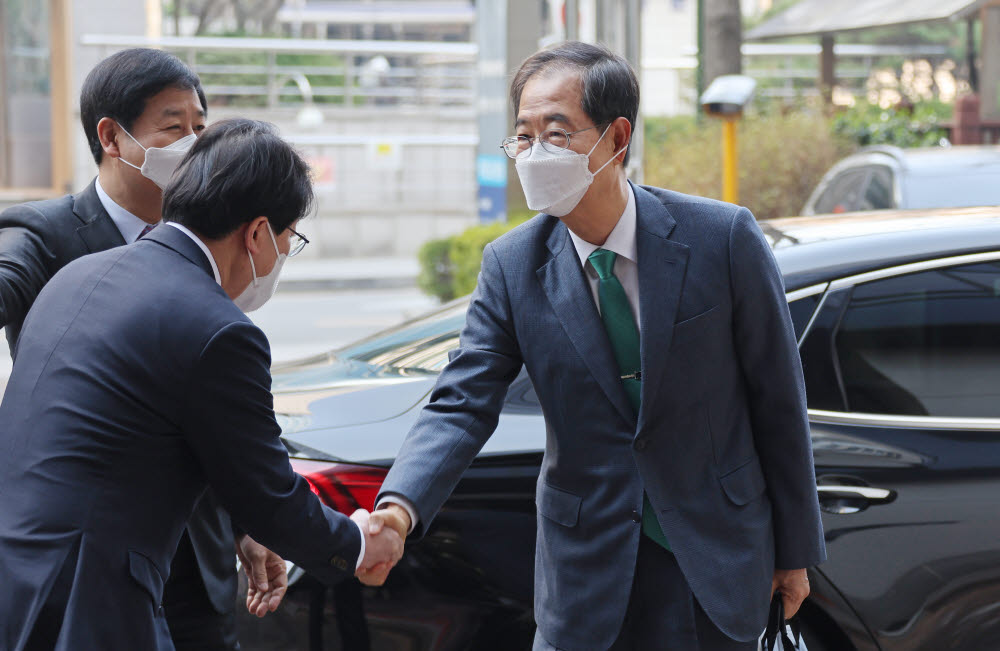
{"type": "Point", "coordinates": [260, 290]}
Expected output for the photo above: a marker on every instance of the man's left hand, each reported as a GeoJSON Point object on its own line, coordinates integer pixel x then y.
{"type": "Point", "coordinates": [267, 578]}
{"type": "Point", "coordinates": [794, 588]}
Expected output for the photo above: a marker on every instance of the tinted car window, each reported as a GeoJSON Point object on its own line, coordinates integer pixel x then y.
{"type": "Point", "coordinates": [843, 193]}
{"type": "Point", "coordinates": [801, 310]}
{"type": "Point", "coordinates": [878, 194]}
{"type": "Point", "coordinates": [924, 344]}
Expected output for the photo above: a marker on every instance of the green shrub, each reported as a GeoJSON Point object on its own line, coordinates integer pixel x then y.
{"type": "Point", "coordinates": [907, 125]}
{"type": "Point", "coordinates": [449, 267]}
{"type": "Point", "coordinates": [436, 275]}
{"type": "Point", "coordinates": [781, 158]}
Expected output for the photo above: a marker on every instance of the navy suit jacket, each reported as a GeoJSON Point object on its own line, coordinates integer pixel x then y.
{"type": "Point", "coordinates": [39, 238]}
{"type": "Point", "coordinates": [721, 443]}
{"type": "Point", "coordinates": [137, 383]}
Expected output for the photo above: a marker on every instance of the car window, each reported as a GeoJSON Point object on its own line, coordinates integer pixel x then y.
{"type": "Point", "coordinates": [843, 193]}
{"type": "Point", "coordinates": [801, 310]}
{"type": "Point", "coordinates": [879, 192]}
{"type": "Point", "coordinates": [925, 344]}
{"type": "Point", "coordinates": [422, 344]}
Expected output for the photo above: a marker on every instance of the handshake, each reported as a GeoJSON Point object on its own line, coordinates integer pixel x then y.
{"type": "Point", "coordinates": [384, 531]}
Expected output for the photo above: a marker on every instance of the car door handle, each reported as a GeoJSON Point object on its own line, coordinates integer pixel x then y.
{"type": "Point", "coordinates": [842, 499]}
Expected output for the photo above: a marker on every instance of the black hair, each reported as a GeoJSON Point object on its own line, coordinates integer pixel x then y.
{"type": "Point", "coordinates": [609, 86]}
{"type": "Point", "coordinates": [236, 171]}
{"type": "Point", "coordinates": [119, 87]}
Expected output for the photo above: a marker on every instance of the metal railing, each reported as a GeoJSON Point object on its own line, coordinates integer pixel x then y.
{"type": "Point", "coordinates": [341, 73]}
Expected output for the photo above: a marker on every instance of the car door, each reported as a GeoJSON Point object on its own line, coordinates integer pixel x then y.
{"type": "Point", "coordinates": [902, 372]}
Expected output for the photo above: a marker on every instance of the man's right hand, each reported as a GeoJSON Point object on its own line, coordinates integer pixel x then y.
{"type": "Point", "coordinates": [383, 549]}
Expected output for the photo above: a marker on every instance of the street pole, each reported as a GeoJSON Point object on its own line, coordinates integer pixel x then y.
{"type": "Point", "coordinates": [633, 52]}
{"type": "Point", "coordinates": [730, 160]}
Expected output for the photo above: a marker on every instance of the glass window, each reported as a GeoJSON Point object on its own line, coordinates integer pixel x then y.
{"type": "Point", "coordinates": [843, 194]}
{"type": "Point", "coordinates": [25, 125]}
{"type": "Point", "coordinates": [924, 344]}
{"type": "Point", "coordinates": [802, 310]}
{"type": "Point", "coordinates": [879, 193]}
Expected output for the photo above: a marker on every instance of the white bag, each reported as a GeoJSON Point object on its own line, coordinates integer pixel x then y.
{"type": "Point", "coordinates": [780, 634]}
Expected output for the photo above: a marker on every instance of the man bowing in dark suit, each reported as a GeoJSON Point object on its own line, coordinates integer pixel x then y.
{"type": "Point", "coordinates": [138, 381]}
{"type": "Point", "coordinates": [677, 489]}
{"type": "Point", "coordinates": [141, 110]}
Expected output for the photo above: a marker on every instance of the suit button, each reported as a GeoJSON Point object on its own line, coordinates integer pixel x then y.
{"type": "Point", "coordinates": [636, 517]}
{"type": "Point", "coordinates": [338, 563]}
{"type": "Point", "coordinates": [640, 445]}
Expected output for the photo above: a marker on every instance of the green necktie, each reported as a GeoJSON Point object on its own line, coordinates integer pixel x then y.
{"type": "Point", "coordinates": [616, 312]}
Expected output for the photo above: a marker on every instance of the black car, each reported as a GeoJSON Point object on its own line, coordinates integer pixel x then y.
{"type": "Point", "coordinates": [898, 319]}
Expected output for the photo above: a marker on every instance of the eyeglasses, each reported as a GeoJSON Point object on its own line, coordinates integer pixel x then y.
{"type": "Point", "coordinates": [552, 140]}
{"type": "Point", "coordinates": [298, 242]}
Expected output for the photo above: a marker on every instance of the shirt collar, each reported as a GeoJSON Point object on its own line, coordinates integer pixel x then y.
{"type": "Point", "coordinates": [201, 245]}
{"type": "Point", "coordinates": [128, 224]}
{"type": "Point", "coordinates": [621, 240]}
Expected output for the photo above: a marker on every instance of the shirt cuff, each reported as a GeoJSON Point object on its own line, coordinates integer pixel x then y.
{"type": "Point", "coordinates": [361, 555]}
{"type": "Point", "coordinates": [407, 505]}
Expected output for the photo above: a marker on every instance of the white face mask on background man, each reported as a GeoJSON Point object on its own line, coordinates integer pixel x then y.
{"type": "Point", "coordinates": [554, 182]}
{"type": "Point", "coordinates": [260, 290]}
{"type": "Point", "coordinates": [160, 162]}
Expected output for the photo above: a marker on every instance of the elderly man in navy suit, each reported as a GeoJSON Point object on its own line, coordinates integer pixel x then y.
{"type": "Point", "coordinates": [677, 490]}
{"type": "Point", "coordinates": [138, 382]}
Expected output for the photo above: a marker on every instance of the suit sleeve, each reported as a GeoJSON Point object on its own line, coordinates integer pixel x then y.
{"type": "Point", "coordinates": [772, 370]}
{"type": "Point", "coordinates": [26, 259]}
{"type": "Point", "coordinates": [465, 404]}
{"type": "Point", "coordinates": [230, 425]}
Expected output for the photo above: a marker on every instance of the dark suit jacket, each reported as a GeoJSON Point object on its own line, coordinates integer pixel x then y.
{"type": "Point", "coordinates": [38, 239]}
{"type": "Point", "coordinates": [137, 383]}
{"type": "Point", "coordinates": [721, 444]}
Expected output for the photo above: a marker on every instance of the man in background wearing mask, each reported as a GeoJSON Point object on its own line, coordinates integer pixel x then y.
{"type": "Point", "coordinates": [141, 111]}
{"type": "Point", "coordinates": [139, 380]}
{"type": "Point", "coordinates": [677, 488]}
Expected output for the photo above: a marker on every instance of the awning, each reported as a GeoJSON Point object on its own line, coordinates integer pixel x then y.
{"type": "Point", "coordinates": [819, 17]}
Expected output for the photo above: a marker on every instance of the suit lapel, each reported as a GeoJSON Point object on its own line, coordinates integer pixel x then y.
{"type": "Point", "coordinates": [98, 231]}
{"type": "Point", "coordinates": [563, 281]}
{"type": "Point", "coordinates": [662, 265]}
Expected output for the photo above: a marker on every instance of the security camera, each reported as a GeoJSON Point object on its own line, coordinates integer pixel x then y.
{"type": "Point", "coordinates": [727, 95]}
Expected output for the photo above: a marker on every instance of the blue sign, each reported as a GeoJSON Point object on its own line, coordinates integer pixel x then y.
{"type": "Point", "coordinates": [491, 175]}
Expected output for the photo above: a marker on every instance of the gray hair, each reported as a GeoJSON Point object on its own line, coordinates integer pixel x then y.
{"type": "Point", "coordinates": [609, 86]}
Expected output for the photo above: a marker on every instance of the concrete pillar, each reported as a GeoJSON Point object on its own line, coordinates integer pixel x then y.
{"type": "Point", "coordinates": [989, 78]}
{"type": "Point", "coordinates": [61, 80]}
{"type": "Point", "coordinates": [501, 52]}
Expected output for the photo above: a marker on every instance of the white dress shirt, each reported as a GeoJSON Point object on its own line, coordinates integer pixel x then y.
{"type": "Point", "coordinates": [622, 241]}
{"type": "Point", "coordinates": [201, 245]}
{"type": "Point", "coordinates": [128, 224]}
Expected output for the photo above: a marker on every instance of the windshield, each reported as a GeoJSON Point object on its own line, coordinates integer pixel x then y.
{"type": "Point", "coordinates": [421, 344]}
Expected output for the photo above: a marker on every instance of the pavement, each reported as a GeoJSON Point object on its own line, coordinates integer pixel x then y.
{"type": "Point", "coordinates": [349, 273]}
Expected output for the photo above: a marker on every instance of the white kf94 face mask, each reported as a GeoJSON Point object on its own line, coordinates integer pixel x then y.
{"type": "Point", "coordinates": [555, 182]}
{"type": "Point", "coordinates": [160, 162]}
{"type": "Point", "coordinates": [260, 290]}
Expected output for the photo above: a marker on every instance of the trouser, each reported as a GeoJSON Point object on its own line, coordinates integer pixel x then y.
{"type": "Point", "coordinates": [662, 612]}
{"type": "Point", "coordinates": [195, 625]}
